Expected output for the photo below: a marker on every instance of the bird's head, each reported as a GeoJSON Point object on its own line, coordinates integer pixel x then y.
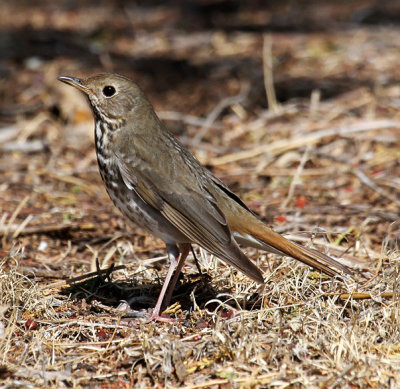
{"type": "Point", "coordinates": [112, 97]}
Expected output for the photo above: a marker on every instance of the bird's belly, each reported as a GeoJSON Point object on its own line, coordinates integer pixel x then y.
{"type": "Point", "coordinates": [134, 207]}
{"type": "Point", "coordinates": [143, 214]}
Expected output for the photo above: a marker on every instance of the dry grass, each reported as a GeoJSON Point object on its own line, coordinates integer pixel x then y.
{"type": "Point", "coordinates": [322, 169]}
{"type": "Point", "coordinates": [296, 332]}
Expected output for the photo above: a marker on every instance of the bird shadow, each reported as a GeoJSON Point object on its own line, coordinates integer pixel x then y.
{"type": "Point", "coordinates": [191, 290]}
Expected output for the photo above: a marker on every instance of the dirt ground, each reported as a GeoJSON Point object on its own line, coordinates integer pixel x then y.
{"type": "Point", "coordinates": [294, 104]}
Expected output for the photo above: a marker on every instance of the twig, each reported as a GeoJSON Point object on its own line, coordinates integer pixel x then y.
{"type": "Point", "coordinates": [84, 323]}
{"type": "Point", "coordinates": [62, 283]}
{"type": "Point", "coordinates": [251, 380]}
{"type": "Point", "coordinates": [335, 380]}
{"type": "Point", "coordinates": [22, 226]}
{"type": "Point", "coordinates": [8, 133]}
{"type": "Point", "coordinates": [314, 103]}
{"type": "Point", "coordinates": [24, 147]}
{"type": "Point", "coordinates": [98, 272]}
{"type": "Point", "coordinates": [88, 188]}
{"type": "Point", "coordinates": [268, 74]}
{"type": "Point", "coordinates": [45, 229]}
{"type": "Point", "coordinates": [33, 125]}
{"type": "Point", "coordinates": [188, 119]}
{"type": "Point", "coordinates": [295, 179]}
{"type": "Point", "coordinates": [283, 145]}
{"type": "Point", "coordinates": [360, 295]}
{"type": "Point", "coordinates": [213, 115]}
{"type": "Point", "coordinates": [114, 332]}
{"type": "Point", "coordinates": [367, 181]}
{"type": "Point", "coordinates": [7, 228]}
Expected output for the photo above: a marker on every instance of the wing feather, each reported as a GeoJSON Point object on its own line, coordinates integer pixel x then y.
{"type": "Point", "coordinates": [195, 214]}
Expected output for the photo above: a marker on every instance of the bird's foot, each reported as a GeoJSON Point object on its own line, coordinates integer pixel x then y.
{"type": "Point", "coordinates": [150, 315]}
{"type": "Point", "coordinates": [155, 316]}
{"type": "Point", "coordinates": [128, 313]}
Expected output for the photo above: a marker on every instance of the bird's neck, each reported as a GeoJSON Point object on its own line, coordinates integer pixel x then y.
{"type": "Point", "coordinates": [104, 133]}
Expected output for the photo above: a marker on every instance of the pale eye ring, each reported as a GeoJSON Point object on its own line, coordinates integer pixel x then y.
{"type": "Point", "coordinates": [108, 91]}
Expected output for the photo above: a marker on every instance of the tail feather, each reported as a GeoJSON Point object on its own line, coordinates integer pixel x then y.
{"type": "Point", "coordinates": [260, 236]}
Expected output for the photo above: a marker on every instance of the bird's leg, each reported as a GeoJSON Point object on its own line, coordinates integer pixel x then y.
{"type": "Point", "coordinates": [184, 248]}
{"type": "Point", "coordinates": [163, 299]}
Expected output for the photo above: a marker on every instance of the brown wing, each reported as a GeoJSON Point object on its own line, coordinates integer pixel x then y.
{"type": "Point", "coordinates": [188, 206]}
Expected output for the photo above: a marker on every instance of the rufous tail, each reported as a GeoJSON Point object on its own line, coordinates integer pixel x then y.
{"type": "Point", "coordinates": [272, 241]}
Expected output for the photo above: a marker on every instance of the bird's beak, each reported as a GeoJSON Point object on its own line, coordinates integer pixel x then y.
{"type": "Point", "coordinates": [77, 83]}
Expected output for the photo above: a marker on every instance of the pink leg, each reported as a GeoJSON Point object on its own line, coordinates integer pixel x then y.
{"type": "Point", "coordinates": [185, 248]}
{"type": "Point", "coordinates": [164, 299]}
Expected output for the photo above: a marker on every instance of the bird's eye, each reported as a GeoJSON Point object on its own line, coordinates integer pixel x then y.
{"type": "Point", "coordinates": [108, 91]}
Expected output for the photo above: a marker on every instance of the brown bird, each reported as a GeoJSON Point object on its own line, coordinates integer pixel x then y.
{"type": "Point", "coordinates": [162, 187]}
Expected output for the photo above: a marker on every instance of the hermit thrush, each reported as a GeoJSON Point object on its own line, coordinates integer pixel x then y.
{"type": "Point", "coordinates": [163, 188]}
